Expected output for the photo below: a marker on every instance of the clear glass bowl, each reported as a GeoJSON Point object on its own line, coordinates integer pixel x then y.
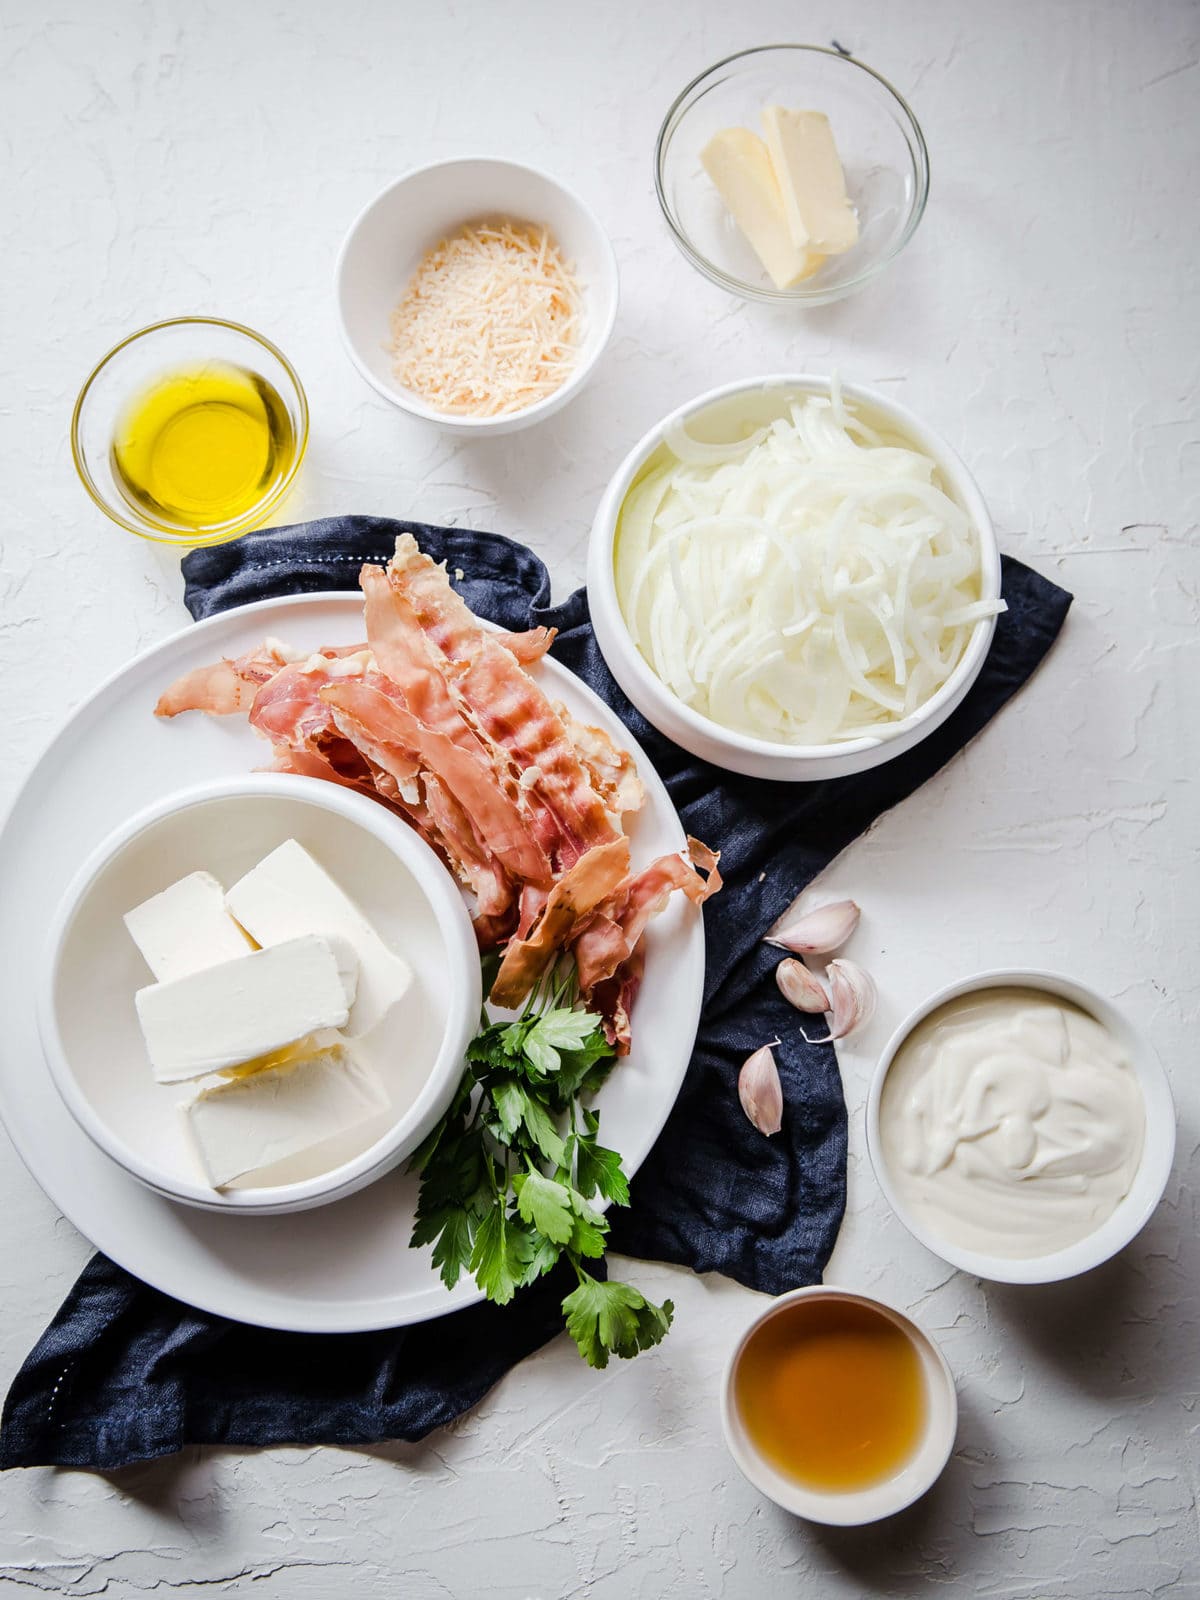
{"type": "Point", "coordinates": [878, 139]}
{"type": "Point", "coordinates": [129, 369]}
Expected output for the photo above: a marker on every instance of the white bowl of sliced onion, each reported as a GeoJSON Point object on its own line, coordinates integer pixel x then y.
{"type": "Point", "coordinates": [794, 578]}
{"type": "Point", "coordinates": [476, 293]}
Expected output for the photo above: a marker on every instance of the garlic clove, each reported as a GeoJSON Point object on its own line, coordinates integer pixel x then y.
{"type": "Point", "coordinates": [760, 1091]}
{"type": "Point", "coordinates": [800, 986]}
{"type": "Point", "coordinates": [852, 998]}
{"type": "Point", "coordinates": [817, 932]}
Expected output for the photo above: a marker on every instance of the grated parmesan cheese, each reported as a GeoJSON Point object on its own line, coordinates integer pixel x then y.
{"type": "Point", "coordinates": [490, 322]}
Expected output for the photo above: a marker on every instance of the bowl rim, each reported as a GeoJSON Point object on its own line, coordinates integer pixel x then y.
{"type": "Point", "coordinates": [797, 295]}
{"type": "Point", "coordinates": [392, 835]}
{"type": "Point", "coordinates": [506, 421]}
{"type": "Point", "coordinates": [602, 578]}
{"type": "Point", "coordinates": [854, 1507]}
{"type": "Point", "coordinates": [217, 532]}
{"type": "Point", "coordinates": [1130, 1214]}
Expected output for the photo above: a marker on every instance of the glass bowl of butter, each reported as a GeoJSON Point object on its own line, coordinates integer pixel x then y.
{"type": "Point", "coordinates": [791, 174]}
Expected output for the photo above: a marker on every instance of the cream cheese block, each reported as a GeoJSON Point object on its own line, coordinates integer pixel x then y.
{"type": "Point", "coordinates": [254, 1121]}
{"type": "Point", "coordinates": [740, 167]}
{"type": "Point", "coordinates": [186, 928]}
{"type": "Point", "coordinates": [812, 184]}
{"type": "Point", "coordinates": [230, 1013]}
{"type": "Point", "coordinates": [289, 893]}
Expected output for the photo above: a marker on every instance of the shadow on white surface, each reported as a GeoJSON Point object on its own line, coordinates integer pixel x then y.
{"type": "Point", "coordinates": [882, 1555]}
{"type": "Point", "coordinates": [1103, 1332]}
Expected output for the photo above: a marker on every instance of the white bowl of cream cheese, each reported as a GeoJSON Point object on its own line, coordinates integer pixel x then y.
{"type": "Point", "coordinates": [88, 1018]}
{"type": "Point", "coordinates": [1020, 1127]}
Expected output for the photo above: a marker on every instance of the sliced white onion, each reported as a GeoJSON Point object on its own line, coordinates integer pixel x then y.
{"type": "Point", "coordinates": [809, 584]}
{"type": "Point", "coordinates": [696, 452]}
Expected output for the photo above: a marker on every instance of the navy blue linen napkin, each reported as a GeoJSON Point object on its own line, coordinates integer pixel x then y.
{"type": "Point", "coordinates": [125, 1373]}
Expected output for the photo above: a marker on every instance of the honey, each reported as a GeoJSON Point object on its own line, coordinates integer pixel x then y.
{"type": "Point", "coordinates": [831, 1394]}
{"type": "Point", "coordinates": [202, 447]}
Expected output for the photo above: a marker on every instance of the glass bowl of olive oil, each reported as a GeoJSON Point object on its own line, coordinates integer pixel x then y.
{"type": "Point", "coordinates": [190, 431]}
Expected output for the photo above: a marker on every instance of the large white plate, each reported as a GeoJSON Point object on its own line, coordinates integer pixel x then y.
{"type": "Point", "coordinates": [345, 1266]}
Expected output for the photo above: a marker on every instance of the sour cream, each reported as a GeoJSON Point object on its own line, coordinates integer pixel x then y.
{"type": "Point", "coordinates": [1011, 1122]}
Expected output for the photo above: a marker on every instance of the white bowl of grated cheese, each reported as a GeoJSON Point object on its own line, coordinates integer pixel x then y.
{"type": "Point", "coordinates": [793, 578]}
{"type": "Point", "coordinates": [465, 370]}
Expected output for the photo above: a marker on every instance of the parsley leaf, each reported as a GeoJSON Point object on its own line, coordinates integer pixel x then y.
{"type": "Point", "coordinates": [544, 1254]}
{"type": "Point", "coordinates": [566, 1029]}
{"type": "Point", "coordinates": [613, 1319]}
{"type": "Point", "coordinates": [589, 1228]}
{"type": "Point", "coordinates": [509, 1099]}
{"type": "Point", "coordinates": [500, 1255]}
{"type": "Point", "coordinates": [582, 1071]}
{"type": "Point", "coordinates": [554, 1032]}
{"type": "Point", "coordinates": [597, 1168]}
{"type": "Point", "coordinates": [540, 1127]}
{"type": "Point", "coordinates": [449, 1229]}
{"type": "Point", "coordinates": [546, 1204]}
{"type": "Point", "coordinates": [450, 1124]}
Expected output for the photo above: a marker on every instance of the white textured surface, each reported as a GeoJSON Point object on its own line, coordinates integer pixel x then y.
{"type": "Point", "coordinates": [179, 157]}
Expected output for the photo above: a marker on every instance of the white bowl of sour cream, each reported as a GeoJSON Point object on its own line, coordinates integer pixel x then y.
{"type": "Point", "coordinates": [1019, 1126]}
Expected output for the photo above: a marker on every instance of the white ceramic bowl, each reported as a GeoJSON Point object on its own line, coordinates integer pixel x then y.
{"type": "Point", "coordinates": [763, 398]}
{"type": "Point", "coordinates": [852, 1507]}
{"type": "Point", "coordinates": [390, 235]}
{"type": "Point", "coordinates": [89, 1027]}
{"type": "Point", "coordinates": [1158, 1147]}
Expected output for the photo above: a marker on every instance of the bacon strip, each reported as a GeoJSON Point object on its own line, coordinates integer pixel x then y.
{"type": "Point", "coordinates": [505, 703]}
{"type": "Point", "coordinates": [615, 930]}
{"type": "Point", "coordinates": [573, 898]}
{"type": "Point", "coordinates": [407, 659]}
{"type": "Point", "coordinates": [436, 812]}
{"type": "Point", "coordinates": [373, 709]}
{"type": "Point", "coordinates": [612, 771]}
{"type": "Point", "coordinates": [225, 687]}
{"type": "Point", "coordinates": [529, 646]}
{"type": "Point", "coordinates": [288, 708]}
{"type": "Point", "coordinates": [613, 999]}
{"type": "Point", "coordinates": [289, 711]}
{"type": "Point", "coordinates": [444, 614]}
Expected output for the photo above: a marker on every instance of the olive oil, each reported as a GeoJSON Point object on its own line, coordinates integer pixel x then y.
{"type": "Point", "coordinates": [831, 1394]}
{"type": "Point", "coordinates": [202, 447]}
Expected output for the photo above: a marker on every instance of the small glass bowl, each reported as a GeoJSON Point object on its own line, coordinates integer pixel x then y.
{"type": "Point", "coordinates": [130, 368]}
{"type": "Point", "coordinates": [879, 141]}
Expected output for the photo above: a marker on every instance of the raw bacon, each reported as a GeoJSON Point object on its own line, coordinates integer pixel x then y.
{"type": "Point", "coordinates": [529, 646]}
{"type": "Point", "coordinates": [444, 614]}
{"type": "Point", "coordinates": [434, 716]}
{"type": "Point", "coordinates": [385, 714]}
{"type": "Point", "coordinates": [615, 930]}
{"type": "Point", "coordinates": [505, 702]}
{"type": "Point", "coordinates": [225, 687]}
{"type": "Point", "coordinates": [612, 772]}
{"type": "Point", "coordinates": [613, 999]}
{"type": "Point", "coordinates": [573, 898]}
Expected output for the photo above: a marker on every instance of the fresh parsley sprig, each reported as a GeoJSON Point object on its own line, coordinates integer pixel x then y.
{"type": "Point", "coordinates": [508, 1173]}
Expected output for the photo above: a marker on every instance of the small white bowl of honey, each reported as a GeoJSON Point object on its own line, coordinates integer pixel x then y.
{"type": "Point", "coordinates": [837, 1407]}
{"type": "Point", "coordinates": [190, 431]}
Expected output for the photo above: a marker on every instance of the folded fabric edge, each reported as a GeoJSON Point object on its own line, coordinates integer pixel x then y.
{"type": "Point", "coordinates": [139, 1409]}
